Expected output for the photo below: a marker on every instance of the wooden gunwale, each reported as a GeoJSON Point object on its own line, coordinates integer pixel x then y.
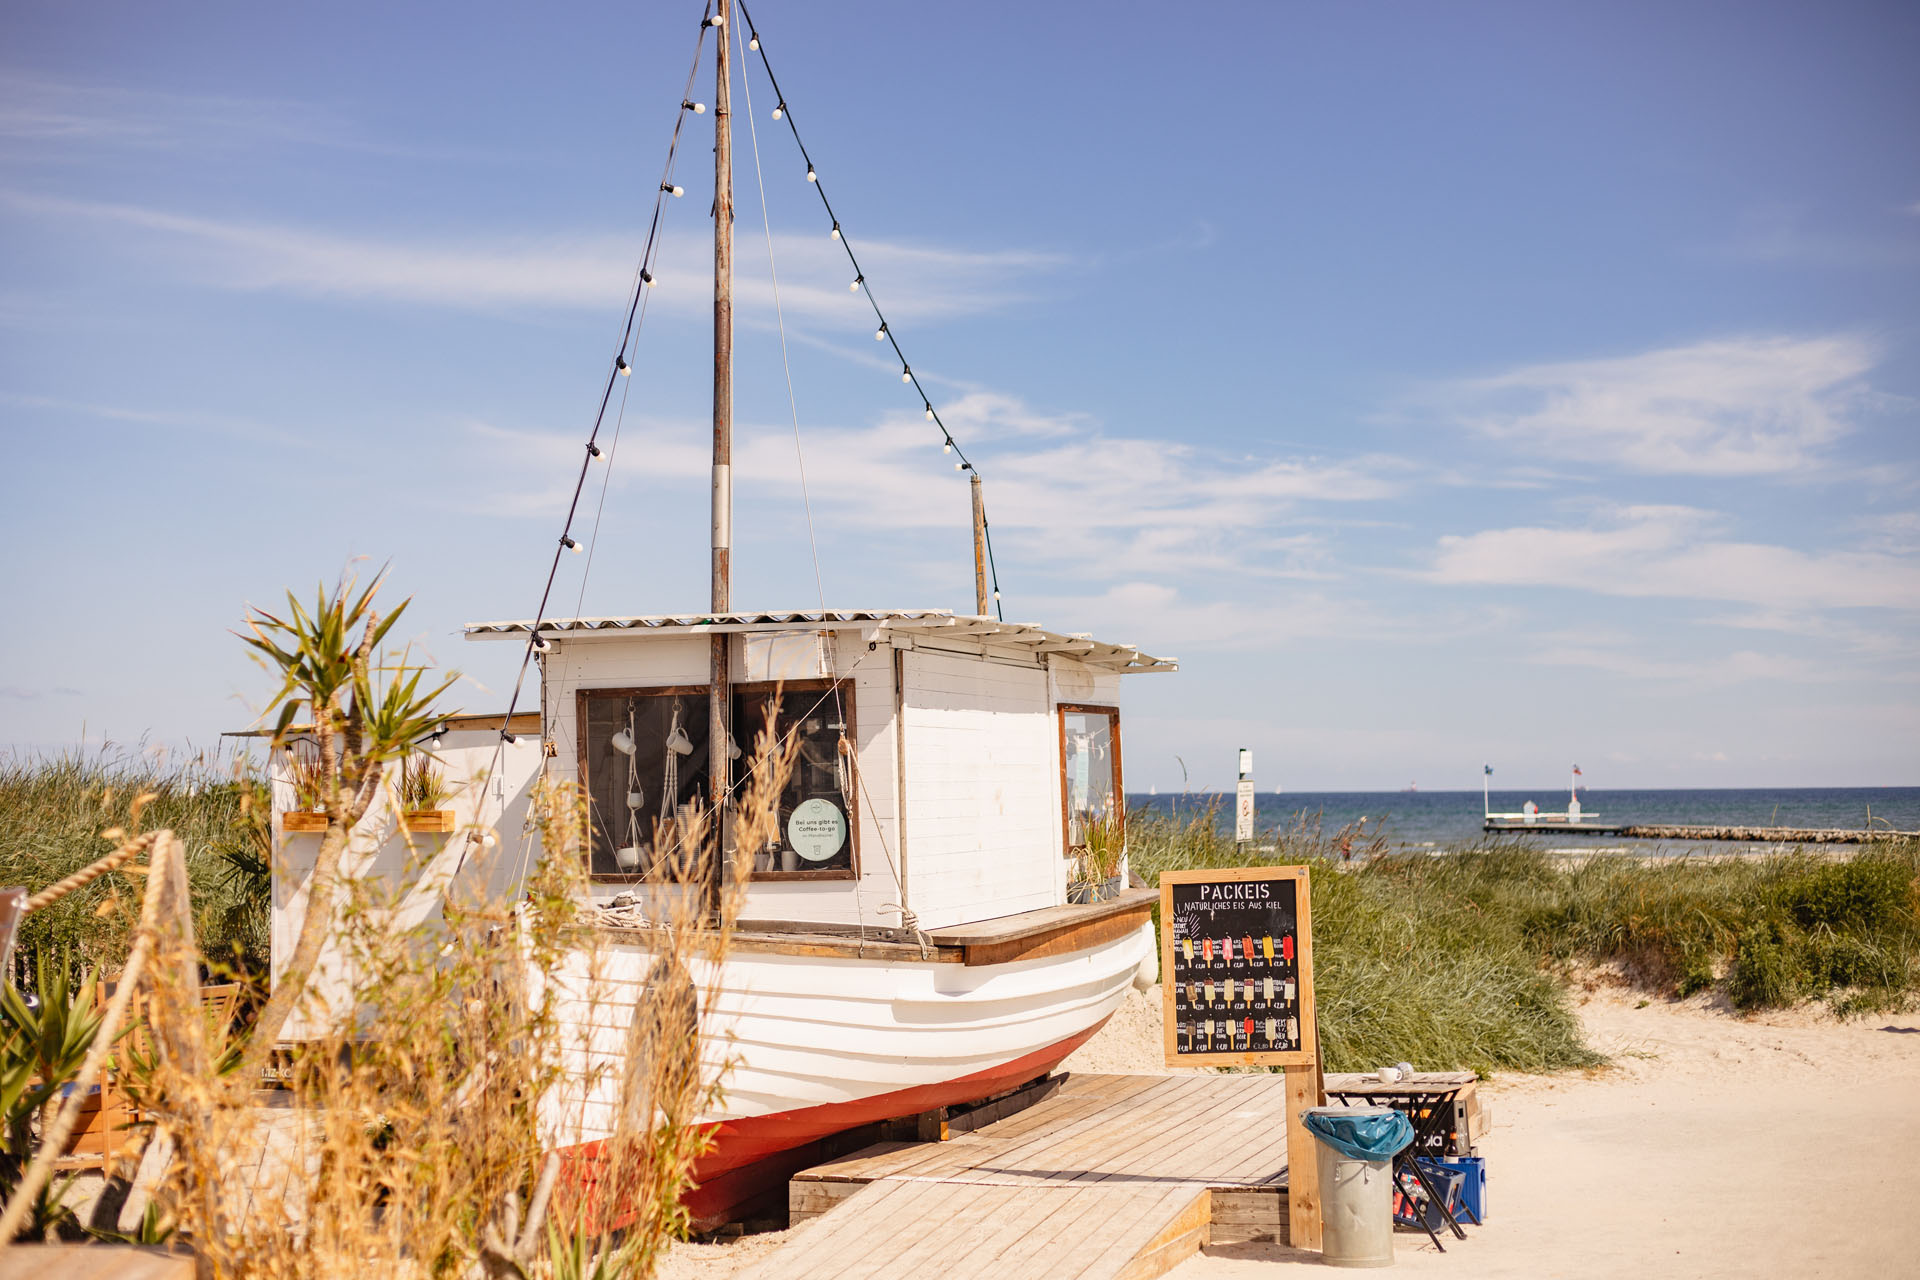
{"type": "Point", "coordinates": [1026, 935]}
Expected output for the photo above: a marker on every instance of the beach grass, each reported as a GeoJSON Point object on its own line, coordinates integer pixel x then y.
{"type": "Point", "coordinates": [1461, 960]}
{"type": "Point", "coordinates": [53, 809]}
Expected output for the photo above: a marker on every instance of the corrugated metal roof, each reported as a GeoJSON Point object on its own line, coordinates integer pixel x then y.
{"type": "Point", "coordinates": [931, 623]}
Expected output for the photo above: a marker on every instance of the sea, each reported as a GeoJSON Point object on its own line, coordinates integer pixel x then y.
{"type": "Point", "coordinates": [1442, 819]}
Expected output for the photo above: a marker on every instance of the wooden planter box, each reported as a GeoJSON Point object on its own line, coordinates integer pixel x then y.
{"type": "Point", "coordinates": [436, 820]}
{"type": "Point", "coordinates": [299, 821]}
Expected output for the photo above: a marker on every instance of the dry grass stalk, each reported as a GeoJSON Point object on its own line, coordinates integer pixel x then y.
{"type": "Point", "coordinates": [419, 1134]}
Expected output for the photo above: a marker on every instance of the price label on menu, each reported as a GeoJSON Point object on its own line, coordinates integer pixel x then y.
{"type": "Point", "coordinates": [1236, 967]}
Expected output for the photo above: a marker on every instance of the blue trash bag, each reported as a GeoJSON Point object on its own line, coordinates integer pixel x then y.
{"type": "Point", "coordinates": [1372, 1133]}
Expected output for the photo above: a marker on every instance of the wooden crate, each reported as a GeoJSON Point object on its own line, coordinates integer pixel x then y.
{"type": "Point", "coordinates": [429, 820]}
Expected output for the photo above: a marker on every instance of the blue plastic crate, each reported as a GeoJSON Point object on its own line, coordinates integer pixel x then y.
{"type": "Point", "coordinates": [1473, 1181]}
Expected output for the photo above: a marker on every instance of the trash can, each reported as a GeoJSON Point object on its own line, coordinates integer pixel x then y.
{"type": "Point", "coordinates": [1357, 1146]}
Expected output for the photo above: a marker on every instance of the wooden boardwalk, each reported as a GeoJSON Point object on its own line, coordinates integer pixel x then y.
{"type": "Point", "coordinates": [1112, 1176]}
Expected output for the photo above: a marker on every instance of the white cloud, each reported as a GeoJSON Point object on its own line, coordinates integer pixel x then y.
{"type": "Point", "coordinates": [1059, 490]}
{"type": "Point", "coordinates": [1728, 669]}
{"type": "Point", "coordinates": [1739, 406]}
{"type": "Point", "coordinates": [1669, 551]}
{"type": "Point", "coordinates": [570, 270]}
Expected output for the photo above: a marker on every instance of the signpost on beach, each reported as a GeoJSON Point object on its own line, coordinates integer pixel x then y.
{"type": "Point", "coordinates": [1243, 801]}
{"type": "Point", "coordinates": [1236, 965]}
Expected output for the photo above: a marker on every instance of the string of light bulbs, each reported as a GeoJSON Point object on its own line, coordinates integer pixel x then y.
{"type": "Point", "coordinates": [629, 335]}
{"type": "Point", "coordinates": [884, 333]}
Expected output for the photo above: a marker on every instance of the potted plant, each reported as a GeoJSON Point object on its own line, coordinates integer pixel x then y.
{"type": "Point", "coordinates": [423, 792]}
{"type": "Point", "coordinates": [306, 777]}
{"type": "Point", "coordinates": [1097, 861]}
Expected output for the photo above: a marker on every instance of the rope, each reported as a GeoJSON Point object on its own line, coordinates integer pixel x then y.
{"type": "Point", "coordinates": [54, 1138]}
{"type": "Point", "coordinates": [87, 875]}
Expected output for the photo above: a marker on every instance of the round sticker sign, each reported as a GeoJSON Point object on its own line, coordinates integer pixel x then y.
{"type": "Point", "coordinates": [817, 829]}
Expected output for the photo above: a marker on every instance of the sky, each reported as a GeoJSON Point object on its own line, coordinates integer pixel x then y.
{"type": "Point", "coordinates": [1442, 385]}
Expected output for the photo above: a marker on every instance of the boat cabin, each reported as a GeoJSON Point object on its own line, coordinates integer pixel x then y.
{"type": "Point", "coordinates": [979, 755]}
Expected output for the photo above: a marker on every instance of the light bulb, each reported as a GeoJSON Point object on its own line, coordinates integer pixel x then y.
{"type": "Point", "coordinates": [947, 448]}
{"type": "Point", "coordinates": [754, 43]}
{"type": "Point", "coordinates": [593, 450]}
{"type": "Point", "coordinates": [906, 374]}
{"type": "Point", "coordinates": [568, 542]}
{"type": "Point", "coordinates": [646, 277]}
{"type": "Point", "coordinates": [857, 282]}
{"type": "Point", "coordinates": [880, 334]}
{"type": "Point", "coordinates": [836, 231]}
{"type": "Point", "coordinates": [996, 595]}
{"type": "Point", "coordinates": [958, 466]}
{"type": "Point", "coordinates": [621, 367]}
{"type": "Point", "coordinates": [717, 20]}
{"type": "Point", "coordinates": [929, 413]}
{"type": "Point", "coordinates": [540, 643]}
{"type": "Point", "coordinates": [670, 189]}
{"type": "Point", "coordinates": [698, 108]}
{"type": "Point", "coordinates": [779, 111]}
{"type": "Point", "coordinates": [811, 175]}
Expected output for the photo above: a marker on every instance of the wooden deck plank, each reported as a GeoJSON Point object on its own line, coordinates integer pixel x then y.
{"type": "Point", "coordinates": [1075, 1136]}
{"type": "Point", "coordinates": [1112, 1178]}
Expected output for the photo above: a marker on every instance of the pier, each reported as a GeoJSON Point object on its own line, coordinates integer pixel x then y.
{"type": "Point", "coordinates": [1546, 824]}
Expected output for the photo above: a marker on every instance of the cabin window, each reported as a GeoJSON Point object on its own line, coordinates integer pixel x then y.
{"type": "Point", "coordinates": [643, 762]}
{"type": "Point", "coordinates": [1090, 771]}
{"type": "Point", "coordinates": [819, 816]}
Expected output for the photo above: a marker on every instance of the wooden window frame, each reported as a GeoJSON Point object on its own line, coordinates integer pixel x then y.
{"type": "Point", "coordinates": [817, 685]}
{"type": "Point", "coordinates": [580, 697]}
{"type": "Point", "coordinates": [1112, 713]}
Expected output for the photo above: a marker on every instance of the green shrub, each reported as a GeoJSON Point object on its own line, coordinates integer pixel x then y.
{"type": "Point", "coordinates": [1866, 894]}
{"type": "Point", "coordinates": [1764, 973]}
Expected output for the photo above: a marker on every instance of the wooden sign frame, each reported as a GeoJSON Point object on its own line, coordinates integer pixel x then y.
{"type": "Point", "coordinates": [1237, 883]}
{"type": "Point", "coordinates": [1302, 1063]}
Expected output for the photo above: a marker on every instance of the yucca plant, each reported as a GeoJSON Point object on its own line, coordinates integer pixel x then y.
{"type": "Point", "coordinates": [366, 707]}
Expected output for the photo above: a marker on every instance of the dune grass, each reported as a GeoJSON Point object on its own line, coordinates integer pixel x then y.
{"type": "Point", "coordinates": [1458, 961]}
{"type": "Point", "coordinates": [53, 809]}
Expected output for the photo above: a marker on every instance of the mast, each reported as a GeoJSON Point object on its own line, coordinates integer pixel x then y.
{"type": "Point", "coordinates": [720, 709]}
{"type": "Point", "coordinates": [979, 549]}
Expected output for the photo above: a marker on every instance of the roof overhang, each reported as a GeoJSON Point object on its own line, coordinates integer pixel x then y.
{"type": "Point", "coordinates": [930, 624]}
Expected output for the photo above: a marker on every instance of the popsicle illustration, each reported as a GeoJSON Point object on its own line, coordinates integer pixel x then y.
{"type": "Point", "coordinates": [1246, 948]}
{"type": "Point", "coordinates": [1293, 1030]}
{"type": "Point", "coordinates": [1187, 945]}
{"type": "Point", "coordinates": [1286, 948]}
{"type": "Point", "coordinates": [1290, 990]}
{"type": "Point", "coordinates": [1229, 990]}
{"type": "Point", "coordinates": [1209, 990]}
{"type": "Point", "coordinates": [1249, 1028]}
{"type": "Point", "coordinates": [1273, 1030]}
{"type": "Point", "coordinates": [1266, 947]}
{"type": "Point", "coordinates": [1226, 951]}
{"type": "Point", "coordinates": [1266, 988]}
{"type": "Point", "coordinates": [1206, 950]}
{"type": "Point", "coordinates": [1209, 1028]}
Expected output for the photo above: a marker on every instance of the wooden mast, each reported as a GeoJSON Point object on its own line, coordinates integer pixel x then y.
{"type": "Point", "coordinates": [720, 708]}
{"type": "Point", "coordinates": [980, 601]}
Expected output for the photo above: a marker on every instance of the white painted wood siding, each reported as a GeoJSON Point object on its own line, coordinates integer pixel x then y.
{"type": "Point", "coordinates": [983, 805]}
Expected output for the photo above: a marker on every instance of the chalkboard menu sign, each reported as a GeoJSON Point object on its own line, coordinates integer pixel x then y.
{"type": "Point", "coordinates": [1236, 967]}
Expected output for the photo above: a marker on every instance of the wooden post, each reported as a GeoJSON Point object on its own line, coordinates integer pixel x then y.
{"type": "Point", "coordinates": [1303, 1160]}
{"type": "Point", "coordinates": [980, 601]}
{"type": "Point", "coordinates": [720, 704]}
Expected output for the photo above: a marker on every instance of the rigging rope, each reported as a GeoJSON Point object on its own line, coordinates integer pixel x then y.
{"type": "Point", "coordinates": [783, 111]}
{"type": "Point", "coordinates": [643, 280]}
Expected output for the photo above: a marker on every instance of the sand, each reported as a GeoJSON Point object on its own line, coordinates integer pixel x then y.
{"type": "Point", "coordinates": [1715, 1145]}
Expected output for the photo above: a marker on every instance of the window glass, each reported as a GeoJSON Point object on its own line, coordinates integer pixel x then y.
{"type": "Point", "coordinates": [817, 814]}
{"type": "Point", "coordinates": [646, 761]}
{"type": "Point", "coordinates": [1092, 770]}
